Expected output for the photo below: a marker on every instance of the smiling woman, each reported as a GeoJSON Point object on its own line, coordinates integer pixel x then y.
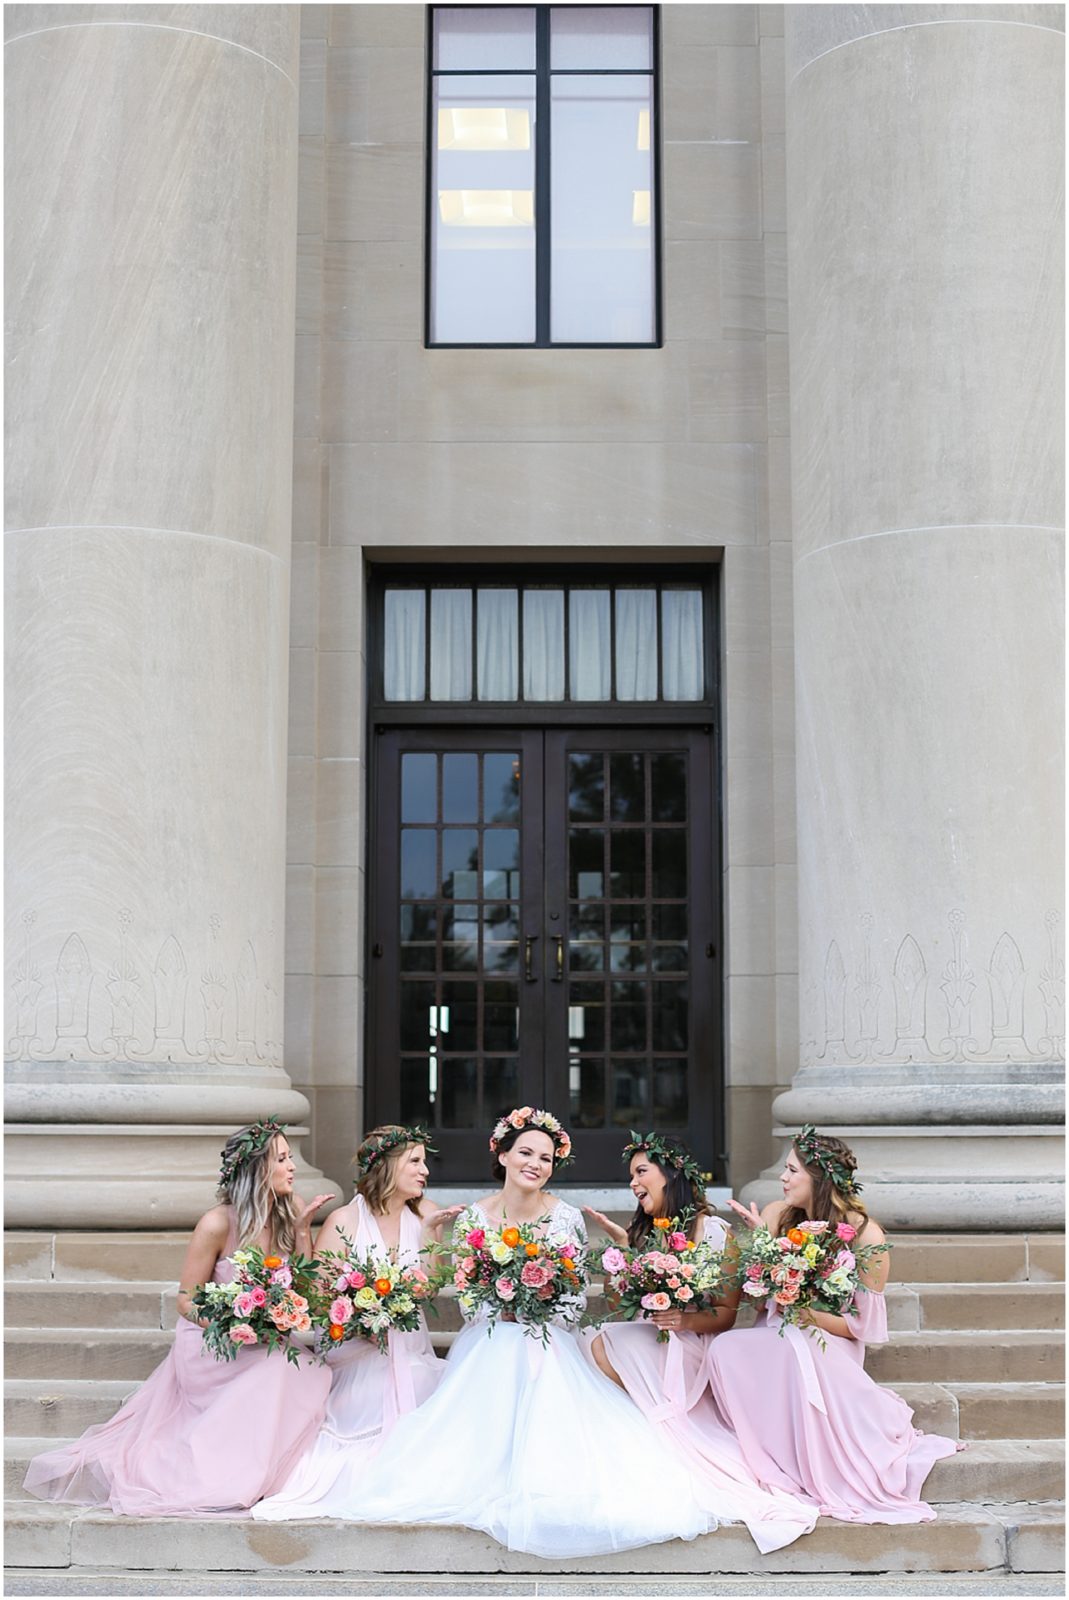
{"type": "Point", "coordinates": [184, 1442]}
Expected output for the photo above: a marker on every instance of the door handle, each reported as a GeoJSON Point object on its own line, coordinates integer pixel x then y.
{"type": "Point", "coordinates": [558, 960]}
{"type": "Point", "coordinates": [528, 958]}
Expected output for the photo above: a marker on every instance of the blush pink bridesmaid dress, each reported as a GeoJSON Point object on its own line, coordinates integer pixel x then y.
{"type": "Point", "coordinates": [812, 1421]}
{"type": "Point", "coordinates": [199, 1436]}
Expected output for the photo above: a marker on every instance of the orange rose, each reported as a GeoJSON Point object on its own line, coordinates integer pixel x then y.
{"type": "Point", "coordinates": [337, 1331]}
{"type": "Point", "coordinates": [383, 1286]}
{"type": "Point", "coordinates": [511, 1237]}
{"type": "Point", "coordinates": [569, 1263]}
{"type": "Point", "coordinates": [531, 1249]}
{"type": "Point", "coordinates": [272, 1262]}
{"type": "Point", "coordinates": [662, 1222]}
{"type": "Point", "coordinates": [796, 1236]}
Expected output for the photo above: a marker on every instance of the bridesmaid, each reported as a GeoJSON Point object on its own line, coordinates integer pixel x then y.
{"type": "Point", "coordinates": [203, 1435]}
{"type": "Point", "coordinates": [668, 1381]}
{"type": "Point", "coordinates": [370, 1390]}
{"type": "Point", "coordinates": [809, 1420]}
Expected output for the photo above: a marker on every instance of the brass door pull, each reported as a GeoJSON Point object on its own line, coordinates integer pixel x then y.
{"type": "Point", "coordinates": [528, 958]}
{"type": "Point", "coordinates": [558, 976]}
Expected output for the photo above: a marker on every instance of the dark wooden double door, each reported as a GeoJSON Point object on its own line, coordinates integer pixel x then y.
{"type": "Point", "coordinates": [545, 930]}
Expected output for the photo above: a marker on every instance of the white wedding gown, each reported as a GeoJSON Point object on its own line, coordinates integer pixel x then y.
{"type": "Point", "coordinates": [532, 1445]}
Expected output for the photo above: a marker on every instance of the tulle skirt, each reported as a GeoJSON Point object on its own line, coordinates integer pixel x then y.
{"type": "Point", "coordinates": [529, 1444]}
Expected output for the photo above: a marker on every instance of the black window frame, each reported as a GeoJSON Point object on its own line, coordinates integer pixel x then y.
{"type": "Point", "coordinates": [542, 183]}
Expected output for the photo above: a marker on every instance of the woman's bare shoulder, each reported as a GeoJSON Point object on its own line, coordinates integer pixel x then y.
{"type": "Point", "coordinates": [773, 1213]}
{"type": "Point", "coordinates": [869, 1227]}
{"type": "Point", "coordinates": [214, 1225]}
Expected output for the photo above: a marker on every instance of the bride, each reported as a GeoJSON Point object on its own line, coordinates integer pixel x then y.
{"type": "Point", "coordinates": [526, 1442]}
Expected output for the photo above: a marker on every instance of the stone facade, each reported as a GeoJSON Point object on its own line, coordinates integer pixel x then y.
{"type": "Point", "coordinates": [854, 413]}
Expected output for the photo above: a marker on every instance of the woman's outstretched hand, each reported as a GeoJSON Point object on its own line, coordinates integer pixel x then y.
{"type": "Point", "coordinates": [749, 1214]}
{"type": "Point", "coordinates": [307, 1211]}
{"type": "Point", "coordinates": [617, 1234]}
{"type": "Point", "coordinates": [433, 1221]}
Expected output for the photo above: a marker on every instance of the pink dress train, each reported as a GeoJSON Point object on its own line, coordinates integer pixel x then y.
{"type": "Point", "coordinates": [813, 1422]}
{"type": "Point", "coordinates": [370, 1391]}
{"type": "Point", "coordinates": [199, 1436]}
{"type": "Point", "coordinates": [668, 1383]}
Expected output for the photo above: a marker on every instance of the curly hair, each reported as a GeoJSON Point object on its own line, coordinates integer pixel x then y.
{"type": "Point", "coordinates": [256, 1205]}
{"type": "Point", "coordinates": [378, 1183]}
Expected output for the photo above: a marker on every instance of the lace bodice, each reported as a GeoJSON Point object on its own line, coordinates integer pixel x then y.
{"type": "Point", "coordinates": [565, 1225]}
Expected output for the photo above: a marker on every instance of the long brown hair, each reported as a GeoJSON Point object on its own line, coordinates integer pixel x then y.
{"type": "Point", "coordinates": [378, 1183]}
{"type": "Point", "coordinates": [828, 1204]}
{"type": "Point", "coordinates": [256, 1205]}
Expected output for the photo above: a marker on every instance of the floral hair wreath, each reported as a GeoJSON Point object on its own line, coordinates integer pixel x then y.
{"type": "Point", "coordinates": [380, 1144]}
{"type": "Point", "coordinates": [810, 1146]}
{"type": "Point", "coordinates": [667, 1154]}
{"type": "Point", "coordinates": [251, 1142]}
{"type": "Point", "coordinates": [531, 1117]}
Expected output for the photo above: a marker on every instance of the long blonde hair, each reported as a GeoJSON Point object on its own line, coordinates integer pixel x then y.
{"type": "Point", "coordinates": [256, 1205]}
{"type": "Point", "coordinates": [378, 1183]}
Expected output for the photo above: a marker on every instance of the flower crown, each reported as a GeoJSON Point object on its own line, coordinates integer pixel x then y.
{"type": "Point", "coordinates": [377, 1145]}
{"type": "Point", "coordinates": [530, 1117]}
{"type": "Point", "coordinates": [668, 1154]}
{"type": "Point", "coordinates": [249, 1144]}
{"type": "Point", "coordinates": [840, 1169]}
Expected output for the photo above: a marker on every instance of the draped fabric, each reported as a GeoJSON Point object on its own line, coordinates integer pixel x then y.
{"type": "Point", "coordinates": [498, 644]}
{"type": "Point", "coordinates": [589, 636]}
{"type": "Point", "coordinates": [404, 615]}
{"type": "Point", "coordinates": [681, 630]}
{"type": "Point", "coordinates": [543, 644]}
{"type": "Point", "coordinates": [636, 644]}
{"type": "Point", "coordinates": [450, 644]}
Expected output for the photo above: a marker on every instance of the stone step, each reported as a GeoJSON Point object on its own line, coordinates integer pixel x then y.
{"type": "Point", "coordinates": [107, 1353]}
{"type": "Point", "coordinates": [1002, 1469]}
{"type": "Point", "coordinates": [964, 1538]}
{"type": "Point", "coordinates": [1002, 1410]}
{"type": "Point", "coordinates": [126, 1304]}
{"type": "Point", "coordinates": [1026, 1356]}
{"type": "Point", "coordinates": [62, 1407]}
{"type": "Point", "coordinates": [153, 1256]}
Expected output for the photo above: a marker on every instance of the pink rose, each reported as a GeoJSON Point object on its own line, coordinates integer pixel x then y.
{"type": "Point", "coordinates": [505, 1289]}
{"type": "Point", "coordinates": [754, 1270]}
{"type": "Point", "coordinates": [241, 1333]}
{"type": "Point", "coordinates": [656, 1302]}
{"type": "Point", "coordinates": [612, 1260]}
{"type": "Point", "coordinates": [476, 1238]}
{"type": "Point", "coordinates": [341, 1309]}
{"type": "Point", "coordinates": [813, 1227]}
{"type": "Point", "coordinates": [356, 1280]}
{"type": "Point", "coordinates": [570, 1249]}
{"type": "Point", "coordinates": [678, 1241]}
{"type": "Point", "coordinates": [687, 1270]}
{"type": "Point", "coordinates": [684, 1293]}
{"type": "Point", "coordinates": [785, 1297]}
{"type": "Point", "coordinates": [259, 1296]}
{"type": "Point", "coordinates": [672, 1283]}
{"type": "Point", "coordinates": [467, 1266]}
{"type": "Point", "coordinates": [536, 1274]}
{"type": "Point", "coordinates": [244, 1304]}
{"type": "Point", "coordinates": [546, 1293]}
{"type": "Point", "coordinates": [844, 1231]}
{"type": "Point", "coordinates": [282, 1276]}
{"type": "Point", "coordinates": [847, 1259]}
{"type": "Point", "coordinates": [519, 1116]}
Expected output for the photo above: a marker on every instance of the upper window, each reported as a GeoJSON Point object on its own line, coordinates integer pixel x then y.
{"type": "Point", "coordinates": [542, 211]}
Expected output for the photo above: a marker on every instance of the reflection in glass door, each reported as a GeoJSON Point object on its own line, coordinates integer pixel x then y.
{"type": "Point", "coordinates": [545, 930]}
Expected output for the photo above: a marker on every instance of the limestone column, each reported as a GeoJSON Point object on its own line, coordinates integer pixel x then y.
{"type": "Point", "coordinates": [151, 223]}
{"type": "Point", "coordinates": [925, 231]}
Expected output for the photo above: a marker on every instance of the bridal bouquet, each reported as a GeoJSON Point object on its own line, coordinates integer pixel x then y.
{"type": "Point", "coordinates": [510, 1275]}
{"type": "Point", "coordinates": [262, 1305]}
{"type": "Point", "coordinates": [813, 1267]}
{"type": "Point", "coordinates": [372, 1295]}
{"type": "Point", "coordinates": [678, 1274]}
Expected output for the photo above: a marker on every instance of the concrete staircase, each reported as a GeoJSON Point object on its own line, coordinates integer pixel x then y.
{"type": "Point", "coordinates": [977, 1350]}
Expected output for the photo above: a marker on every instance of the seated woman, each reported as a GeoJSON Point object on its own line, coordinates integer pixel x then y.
{"type": "Point", "coordinates": [812, 1421]}
{"type": "Point", "coordinates": [370, 1389]}
{"type": "Point", "coordinates": [525, 1441]}
{"type": "Point", "coordinates": [203, 1435]}
{"type": "Point", "coordinates": [668, 1381]}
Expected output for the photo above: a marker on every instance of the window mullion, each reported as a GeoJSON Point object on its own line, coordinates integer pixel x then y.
{"type": "Point", "coordinates": [543, 243]}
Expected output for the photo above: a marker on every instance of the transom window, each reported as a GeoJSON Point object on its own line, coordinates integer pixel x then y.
{"type": "Point", "coordinates": [542, 204]}
{"type": "Point", "coordinates": [581, 642]}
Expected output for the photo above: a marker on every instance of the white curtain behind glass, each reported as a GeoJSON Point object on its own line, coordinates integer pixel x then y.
{"type": "Point", "coordinates": [636, 644]}
{"type": "Point", "coordinates": [450, 644]}
{"type": "Point", "coordinates": [404, 674]}
{"type": "Point", "coordinates": [589, 636]}
{"type": "Point", "coordinates": [681, 632]}
{"type": "Point", "coordinates": [498, 644]}
{"type": "Point", "coordinates": [543, 644]}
